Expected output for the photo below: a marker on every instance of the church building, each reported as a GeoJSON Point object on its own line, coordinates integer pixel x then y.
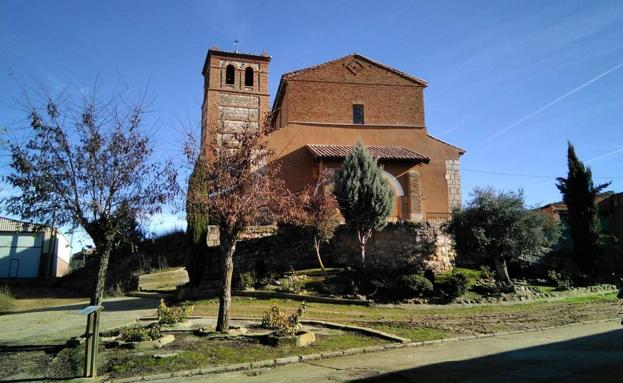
{"type": "Point", "coordinates": [320, 112]}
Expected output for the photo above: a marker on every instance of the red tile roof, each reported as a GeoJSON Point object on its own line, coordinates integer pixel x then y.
{"type": "Point", "coordinates": [390, 153]}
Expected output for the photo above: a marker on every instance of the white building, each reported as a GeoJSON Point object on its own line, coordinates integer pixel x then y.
{"type": "Point", "coordinates": [29, 250]}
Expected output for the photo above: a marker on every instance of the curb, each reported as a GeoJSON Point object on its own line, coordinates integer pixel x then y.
{"type": "Point", "coordinates": [339, 326]}
{"type": "Point", "coordinates": [271, 363]}
{"type": "Point", "coordinates": [365, 330]}
{"type": "Point", "coordinates": [301, 297]}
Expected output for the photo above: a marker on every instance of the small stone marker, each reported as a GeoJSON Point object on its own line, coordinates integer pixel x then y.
{"type": "Point", "coordinates": [305, 338]}
{"type": "Point", "coordinates": [214, 236]}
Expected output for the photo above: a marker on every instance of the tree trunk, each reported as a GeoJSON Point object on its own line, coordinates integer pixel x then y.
{"type": "Point", "coordinates": [228, 249]}
{"type": "Point", "coordinates": [103, 249]}
{"type": "Point", "coordinates": [363, 237]}
{"type": "Point", "coordinates": [502, 272]}
{"type": "Point", "coordinates": [317, 247]}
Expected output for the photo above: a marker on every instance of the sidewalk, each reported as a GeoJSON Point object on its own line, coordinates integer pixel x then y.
{"type": "Point", "coordinates": [53, 325]}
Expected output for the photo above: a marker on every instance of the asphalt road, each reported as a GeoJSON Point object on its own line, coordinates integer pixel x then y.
{"type": "Point", "coordinates": [585, 353]}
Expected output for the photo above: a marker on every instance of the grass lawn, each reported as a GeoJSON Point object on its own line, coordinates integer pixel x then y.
{"type": "Point", "coordinates": [197, 353]}
{"type": "Point", "coordinates": [7, 300]}
{"type": "Point", "coordinates": [163, 279]}
{"type": "Point", "coordinates": [545, 289]}
{"type": "Point", "coordinates": [423, 322]}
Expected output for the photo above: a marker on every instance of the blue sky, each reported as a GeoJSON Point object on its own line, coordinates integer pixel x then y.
{"type": "Point", "coordinates": [509, 81]}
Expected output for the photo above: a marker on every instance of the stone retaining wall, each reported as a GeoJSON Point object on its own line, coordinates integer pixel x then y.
{"type": "Point", "coordinates": [399, 245]}
{"type": "Point", "coordinates": [416, 246]}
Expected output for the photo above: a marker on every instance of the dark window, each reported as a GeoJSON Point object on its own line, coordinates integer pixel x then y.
{"type": "Point", "coordinates": [358, 114]}
{"type": "Point", "coordinates": [230, 74]}
{"type": "Point", "coordinates": [248, 77]}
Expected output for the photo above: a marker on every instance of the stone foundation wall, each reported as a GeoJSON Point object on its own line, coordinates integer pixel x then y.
{"type": "Point", "coordinates": [400, 245]}
{"type": "Point", "coordinates": [409, 246]}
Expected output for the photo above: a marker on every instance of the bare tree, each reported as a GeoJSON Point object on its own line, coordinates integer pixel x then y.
{"type": "Point", "coordinates": [88, 163]}
{"type": "Point", "coordinates": [236, 187]}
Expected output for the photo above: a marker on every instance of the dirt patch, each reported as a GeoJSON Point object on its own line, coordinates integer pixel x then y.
{"type": "Point", "coordinates": [487, 323]}
{"type": "Point", "coordinates": [39, 363]}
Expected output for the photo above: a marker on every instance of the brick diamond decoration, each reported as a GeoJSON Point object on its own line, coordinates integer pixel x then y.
{"type": "Point", "coordinates": [354, 67]}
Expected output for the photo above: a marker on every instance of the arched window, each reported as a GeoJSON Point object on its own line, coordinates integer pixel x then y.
{"type": "Point", "coordinates": [394, 183]}
{"type": "Point", "coordinates": [230, 75]}
{"type": "Point", "coordinates": [248, 76]}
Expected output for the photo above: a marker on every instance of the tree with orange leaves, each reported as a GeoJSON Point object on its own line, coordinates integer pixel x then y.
{"type": "Point", "coordinates": [317, 212]}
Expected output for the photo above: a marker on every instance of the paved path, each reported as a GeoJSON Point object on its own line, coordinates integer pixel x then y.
{"type": "Point", "coordinates": [53, 325]}
{"type": "Point", "coordinates": [587, 353]}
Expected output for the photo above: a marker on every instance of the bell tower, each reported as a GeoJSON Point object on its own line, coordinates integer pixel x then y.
{"type": "Point", "coordinates": [235, 92]}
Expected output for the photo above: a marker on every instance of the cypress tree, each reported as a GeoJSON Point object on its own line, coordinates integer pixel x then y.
{"type": "Point", "coordinates": [580, 196]}
{"type": "Point", "coordinates": [197, 224]}
{"type": "Point", "coordinates": [364, 196]}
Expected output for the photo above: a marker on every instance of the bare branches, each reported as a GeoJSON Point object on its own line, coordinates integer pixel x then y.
{"type": "Point", "coordinates": [89, 164]}
{"type": "Point", "coordinates": [240, 187]}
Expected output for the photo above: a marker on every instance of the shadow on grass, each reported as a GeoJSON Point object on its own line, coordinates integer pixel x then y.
{"type": "Point", "coordinates": [25, 363]}
{"type": "Point", "coordinates": [596, 359]}
{"type": "Point", "coordinates": [118, 304]}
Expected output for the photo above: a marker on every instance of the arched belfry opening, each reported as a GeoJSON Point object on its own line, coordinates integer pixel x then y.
{"type": "Point", "coordinates": [230, 75]}
{"type": "Point", "coordinates": [248, 76]}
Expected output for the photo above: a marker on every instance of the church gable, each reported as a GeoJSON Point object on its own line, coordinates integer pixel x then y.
{"type": "Point", "coordinates": [354, 68]}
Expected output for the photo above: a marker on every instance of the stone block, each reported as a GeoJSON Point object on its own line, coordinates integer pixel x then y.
{"type": "Point", "coordinates": [263, 364]}
{"type": "Point", "coordinates": [237, 367]}
{"type": "Point", "coordinates": [238, 100]}
{"type": "Point", "coordinates": [331, 354]}
{"type": "Point", "coordinates": [238, 114]}
{"type": "Point", "coordinates": [289, 360]}
{"type": "Point", "coordinates": [310, 357]}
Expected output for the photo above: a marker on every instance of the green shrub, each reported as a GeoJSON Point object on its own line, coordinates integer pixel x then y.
{"type": "Point", "coordinates": [486, 283]}
{"type": "Point", "coordinates": [454, 286]}
{"type": "Point", "coordinates": [138, 333]}
{"type": "Point", "coordinates": [267, 279]}
{"type": "Point", "coordinates": [283, 324]}
{"type": "Point", "coordinates": [246, 280]}
{"type": "Point", "coordinates": [7, 301]}
{"type": "Point", "coordinates": [486, 273]}
{"type": "Point", "coordinates": [561, 280]}
{"type": "Point", "coordinates": [414, 285]}
{"type": "Point", "coordinates": [169, 316]}
{"type": "Point", "coordinates": [293, 283]}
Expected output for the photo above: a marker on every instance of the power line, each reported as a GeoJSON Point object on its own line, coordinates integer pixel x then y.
{"type": "Point", "coordinates": [524, 175]}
